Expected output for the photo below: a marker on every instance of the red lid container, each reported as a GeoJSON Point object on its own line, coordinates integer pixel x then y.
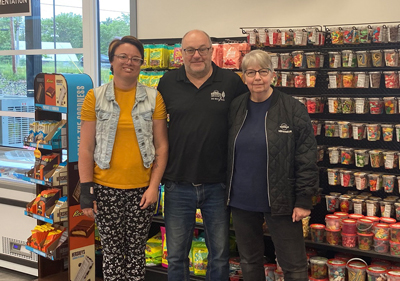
{"type": "Point", "coordinates": [388, 220]}
{"type": "Point", "coordinates": [356, 216]}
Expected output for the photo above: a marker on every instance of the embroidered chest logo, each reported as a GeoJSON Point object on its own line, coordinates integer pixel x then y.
{"type": "Point", "coordinates": [217, 96]}
{"type": "Point", "coordinates": [284, 128]}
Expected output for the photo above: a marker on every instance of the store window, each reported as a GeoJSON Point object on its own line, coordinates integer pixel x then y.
{"type": "Point", "coordinates": [114, 22]}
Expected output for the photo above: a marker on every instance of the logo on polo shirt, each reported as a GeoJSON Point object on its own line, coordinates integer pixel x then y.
{"type": "Point", "coordinates": [216, 95]}
{"type": "Point", "coordinates": [284, 128]}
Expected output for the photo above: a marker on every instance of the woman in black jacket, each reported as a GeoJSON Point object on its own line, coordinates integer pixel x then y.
{"type": "Point", "coordinates": [272, 171]}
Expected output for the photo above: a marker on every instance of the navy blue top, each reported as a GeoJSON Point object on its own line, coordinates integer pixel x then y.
{"type": "Point", "coordinates": [249, 184]}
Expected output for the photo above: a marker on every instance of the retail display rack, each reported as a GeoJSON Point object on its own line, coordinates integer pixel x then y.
{"type": "Point", "coordinates": [59, 98]}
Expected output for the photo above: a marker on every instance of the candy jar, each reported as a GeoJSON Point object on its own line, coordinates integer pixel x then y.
{"type": "Point", "coordinates": [374, 182]}
{"type": "Point", "coordinates": [375, 273]}
{"type": "Point", "coordinates": [363, 59]}
{"type": "Point", "coordinates": [359, 131]}
{"type": "Point", "coordinates": [333, 236]}
{"type": "Point", "coordinates": [394, 251]}
{"type": "Point", "coordinates": [387, 132]}
{"type": "Point", "coordinates": [348, 79]}
{"type": "Point", "coordinates": [373, 132]}
{"type": "Point", "coordinates": [331, 202]}
{"type": "Point", "coordinates": [390, 159]}
{"type": "Point", "coordinates": [349, 240]}
{"type": "Point", "coordinates": [317, 232]}
{"type": "Point", "coordinates": [373, 207]}
{"type": "Point", "coordinates": [336, 269]}
{"type": "Point", "coordinates": [346, 178]}
{"type": "Point", "coordinates": [397, 208]}
{"type": "Point", "coordinates": [365, 241]}
{"type": "Point", "coordinates": [319, 269]}
{"type": "Point", "coordinates": [333, 177]}
{"type": "Point", "coordinates": [345, 130]}
{"type": "Point", "coordinates": [381, 231]}
{"type": "Point", "coordinates": [316, 127]}
{"type": "Point", "coordinates": [361, 79]}
{"type": "Point", "coordinates": [286, 61]}
{"type": "Point", "coordinates": [381, 245]}
{"type": "Point", "coordinates": [358, 205]}
{"type": "Point", "coordinates": [395, 232]}
{"type": "Point", "coordinates": [349, 58]}
{"type": "Point", "coordinates": [332, 222]}
{"type": "Point", "coordinates": [365, 34]}
{"type": "Point", "coordinates": [390, 105]}
{"type": "Point", "coordinates": [349, 226]}
{"type": "Point", "coordinates": [391, 79]}
{"type": "Point", "coordinates": [300, 80]}
{"type": "Point", "coordinates": [313, 59]}
{"type": "Point", "coordinates": [334, 154]}
{"type": "Point", "coordinates": [337, 36]}
{"type": "Point", "coordinates": [377, 58]}
{"type": "Point", "coordinates": [364, 226]}
{"type": "Point", "coordinates": [376, 157]}
{"type": "Point", "coordinates": [397, 126]}
{"type": "Point", "coordinates": [334, 59]}
{"type": "Point", "coordinates": [332, 129]}
{"type": "Point", "coordinates": [376, 106]}
{"type": "Point", "coordinates": [355, 217]}
{"type": "Point", "coordinates": [334, 105]}
{"type": "Point", "coordinates": [345, 203]}
{"type": "Point", "coordinates": [388, 183]}
{"type": "Point", "coordinates": [356, 270]}
{"type": "Point", "coordinates": [299, 59]}
{"type": "Point", "coordinates": [387, 208]}
{"type": "Point", "coordinates": [347, 155]}
{"type": "Point", "coordinates": [335, 80]}
{"type": "Point", "coordinates": [361, 180]}
{"type": "Point", "coordinates": [320, 153]}
{"type": "Point", "coordinates": [361, 157]}
{"type": "Point", "coordinates": [347, 105]}
{"type": "Point", "coordinates": [311, 78]}
{"type": "Point", "coordinates": [391, 57]}
{"type": "Point", "coordinates": [375, 79]}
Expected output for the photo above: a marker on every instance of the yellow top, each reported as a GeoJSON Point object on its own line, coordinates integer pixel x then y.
{"type": "Point", "coordinates": [126, 165]}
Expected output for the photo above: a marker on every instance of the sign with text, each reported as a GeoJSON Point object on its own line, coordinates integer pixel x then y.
{"type": "Point", "coordinates": [15, 8]}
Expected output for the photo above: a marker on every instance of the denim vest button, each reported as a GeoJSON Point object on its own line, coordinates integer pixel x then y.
{"type": "Point", "coordinates": [145, 155]}
{"type": "Point", "coordinates": [142, 144]}
{"type": "Point", "coordinates": [140, 130]}
{"type": "Point", "coordinates": [136, 117]}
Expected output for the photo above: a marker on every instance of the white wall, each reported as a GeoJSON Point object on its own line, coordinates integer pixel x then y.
{"type": "Point", "coordinates": [223, 18]}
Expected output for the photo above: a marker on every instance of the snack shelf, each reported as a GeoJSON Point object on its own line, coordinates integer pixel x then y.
{"type": "Point", "coordinates": [52, 108]}
{"type": "Point", "coordinates": [38, 217]}
{"type": "Point", "coordinates": [40, 253]}
{"type": "Point", "coordinates": [32, 180]}
{"type": "Point", "coordinates": [355, 251]}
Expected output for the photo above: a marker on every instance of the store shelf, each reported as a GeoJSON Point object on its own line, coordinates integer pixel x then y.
{"type": "Point", "coordinates": [43, 146]}
{"type": "Point", "coordinates": [355, 251]}
{"type": "Point", "coordinates": [40, 253]}
{"type": "Point", "coordinates": [41, 218]}
{"type": "Point", "coordinates": [52, 108]}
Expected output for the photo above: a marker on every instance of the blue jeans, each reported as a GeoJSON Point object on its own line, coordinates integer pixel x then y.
{"type": "Point", "coordinates": [181, 201]}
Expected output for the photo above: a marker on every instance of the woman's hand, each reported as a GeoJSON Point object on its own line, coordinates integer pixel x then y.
{"type": "Point", "coordinates": [300, 213]}
{"type": "Point", "coordinates": [89, 211]}
{"type": "Point", "coordinates": [149, 197]}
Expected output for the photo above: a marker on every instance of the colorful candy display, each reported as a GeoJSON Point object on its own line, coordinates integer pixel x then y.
{"type": "Point", "coordinates": [336, 270]}
{"type": "Point", "coordinates": [319, 269]}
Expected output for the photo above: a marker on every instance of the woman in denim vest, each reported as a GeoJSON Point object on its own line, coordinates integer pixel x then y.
{"type": "Point", "coordinates": [122, 157]}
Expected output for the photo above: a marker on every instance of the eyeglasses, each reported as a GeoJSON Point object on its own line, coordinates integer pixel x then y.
{"type": "Point", "coordinates": [202, 51]}
{"type": "Point", "coordinates": [125, 59]}
{"type": "Point", "coordinates": [263, 72]}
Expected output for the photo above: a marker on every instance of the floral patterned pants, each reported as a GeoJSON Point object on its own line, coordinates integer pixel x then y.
{"type": "Point", "coordinates": [123, 229]}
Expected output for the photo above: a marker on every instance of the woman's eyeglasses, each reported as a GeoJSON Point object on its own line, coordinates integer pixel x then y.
{"type": "Point", "coordinates": [125, 59]}
{"type": "Point", "coordinates": [263, 72]}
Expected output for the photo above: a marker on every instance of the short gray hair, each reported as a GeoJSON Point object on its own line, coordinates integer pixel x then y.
{"type": "Point", "coordinates": [259, 57]}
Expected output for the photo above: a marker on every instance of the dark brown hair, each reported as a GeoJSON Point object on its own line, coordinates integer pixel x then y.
{"type": "Point", "coordinates": [118, 42]}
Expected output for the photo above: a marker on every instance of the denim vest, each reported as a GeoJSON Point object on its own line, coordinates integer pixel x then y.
{"type": "Point", "coordinates": [107, 114]}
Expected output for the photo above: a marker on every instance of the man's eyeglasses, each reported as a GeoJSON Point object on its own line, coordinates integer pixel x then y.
{"type": "Point", "coordinates": [125, 59]}
{"type": "Point", "coordinates": [263, 72]}
{"type": "Point", "coordinates": [202, 51]}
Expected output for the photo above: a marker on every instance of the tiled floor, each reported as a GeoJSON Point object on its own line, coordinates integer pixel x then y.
{"type": "Point", "coordinates": [10, 275]}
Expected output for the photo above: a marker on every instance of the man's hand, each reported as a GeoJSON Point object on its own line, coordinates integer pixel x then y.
{"type": "Point", "coordinates": [149, 197]}
{"type": "Point", "coordinates": [300, 213]}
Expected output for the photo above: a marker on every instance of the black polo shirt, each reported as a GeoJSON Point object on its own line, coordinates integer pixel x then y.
{"type": "Point", "coordinates": [198, 124]}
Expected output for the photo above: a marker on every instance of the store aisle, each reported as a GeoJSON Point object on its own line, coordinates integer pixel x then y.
{"type": "Point", "coordinates": [11, 275]}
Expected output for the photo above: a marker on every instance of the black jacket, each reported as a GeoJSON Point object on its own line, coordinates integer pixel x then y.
{"type": "Point", "coordinates": [292, 152]}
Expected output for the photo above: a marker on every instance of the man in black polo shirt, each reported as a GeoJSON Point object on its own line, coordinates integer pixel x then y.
{"type": "Point", "coordinates": [197, 97]}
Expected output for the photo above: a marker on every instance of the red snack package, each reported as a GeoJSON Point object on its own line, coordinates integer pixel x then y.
{"type": "Point", "coordinates": [231, 56]}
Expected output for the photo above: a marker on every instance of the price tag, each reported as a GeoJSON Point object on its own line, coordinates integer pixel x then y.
{"type": "Point", "coordinates": [284, 79]}
{"type": "Point", "coordinates": [283, 37]}
{"type": "Point", "coordinates": [332, 82]}
{"type": "Point", "coordinates": [361, 80]}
